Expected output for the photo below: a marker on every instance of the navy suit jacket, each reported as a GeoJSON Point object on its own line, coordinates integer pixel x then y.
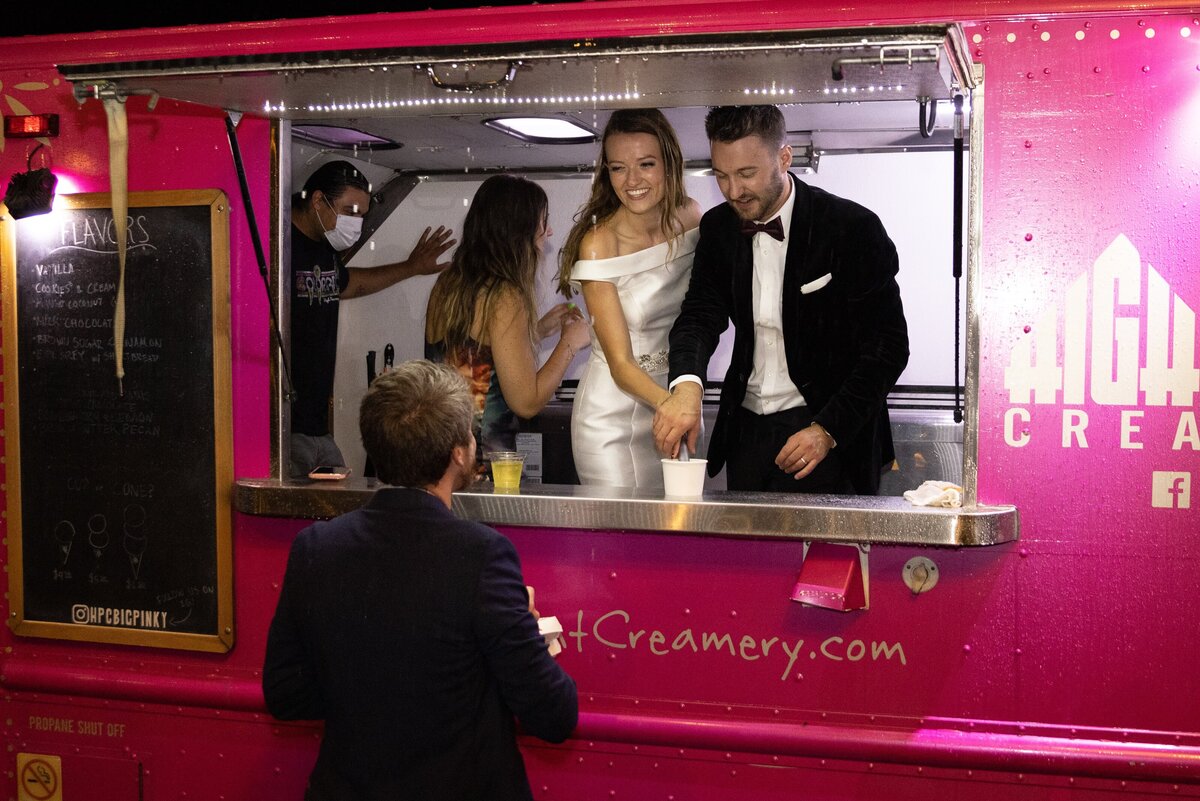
{"type": "Point", "coordinates": [407, 630]}
{"type": "Point", "coordinates": [846, 341]}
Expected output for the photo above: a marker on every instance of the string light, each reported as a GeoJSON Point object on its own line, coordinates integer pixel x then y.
{"type": "Point", "coordinates": [463, 100]}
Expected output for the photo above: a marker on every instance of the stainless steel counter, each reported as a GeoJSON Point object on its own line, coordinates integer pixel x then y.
{"type": "Point", "coordinates": [860, 519]}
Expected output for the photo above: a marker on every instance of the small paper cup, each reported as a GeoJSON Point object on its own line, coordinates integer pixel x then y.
{"type": "Point", "coordinates": [684, 479]}
{"type": "Point", "coordinates": [551, 631]}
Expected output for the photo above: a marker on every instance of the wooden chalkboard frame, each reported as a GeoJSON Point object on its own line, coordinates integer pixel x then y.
{"type": "Point", "coordinates": [221, 637]}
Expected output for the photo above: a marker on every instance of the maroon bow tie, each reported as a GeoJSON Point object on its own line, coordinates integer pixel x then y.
{"type": "Point", "coordinates": [773, 228]}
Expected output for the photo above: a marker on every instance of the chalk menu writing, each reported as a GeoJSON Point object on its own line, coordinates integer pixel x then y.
{"type": "Point", "coordinates": [120, 508]}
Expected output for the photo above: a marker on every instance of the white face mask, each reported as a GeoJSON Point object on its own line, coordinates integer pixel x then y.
{"type": "Point", "coordinates": [346, 230]}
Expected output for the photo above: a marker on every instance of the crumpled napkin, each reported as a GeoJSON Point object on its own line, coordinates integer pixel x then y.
{"type": "Point", "coordinates": [935, 493]}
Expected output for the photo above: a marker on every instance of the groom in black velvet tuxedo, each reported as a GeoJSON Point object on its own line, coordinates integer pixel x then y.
{"type": "Point", "coordinates": [808, 280]}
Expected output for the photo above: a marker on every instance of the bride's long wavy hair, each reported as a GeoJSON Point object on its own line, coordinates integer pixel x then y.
{"type": "Point", "coordinates": [498, 251]}
{"type": "Point", "coordinates": [604, 202]}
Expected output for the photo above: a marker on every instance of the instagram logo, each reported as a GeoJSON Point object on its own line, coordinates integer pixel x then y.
{"type": "Point", "coordinates": [1171, 490]}
{"type": "Point", "coordinates": [79, 613]}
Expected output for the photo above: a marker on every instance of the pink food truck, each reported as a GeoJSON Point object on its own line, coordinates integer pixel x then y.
{"type": "Point", "coordinates": [1038, 168]}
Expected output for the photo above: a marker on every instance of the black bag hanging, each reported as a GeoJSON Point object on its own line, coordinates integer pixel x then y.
{"type": "Point", "coordinates": [30, 192]}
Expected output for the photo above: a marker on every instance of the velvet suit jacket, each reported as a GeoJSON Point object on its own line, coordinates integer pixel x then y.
{"type": "Point", "coordinates": [407, 630]}
{"type": "Point", "coordinates": [845, 337]}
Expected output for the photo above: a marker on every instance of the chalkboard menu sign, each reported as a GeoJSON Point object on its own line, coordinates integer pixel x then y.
{"type": "Point", "coordinates": [118, 494]}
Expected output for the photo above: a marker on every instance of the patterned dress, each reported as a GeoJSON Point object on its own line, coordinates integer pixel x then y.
{"type": "Point", "coordinates": [495, 424]}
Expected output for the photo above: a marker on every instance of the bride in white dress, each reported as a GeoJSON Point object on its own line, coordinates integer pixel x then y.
{"type": "Point", "coordinates": [630, 251]}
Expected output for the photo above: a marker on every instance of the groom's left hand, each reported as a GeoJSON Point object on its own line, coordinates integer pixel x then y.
{"type": "Point", "coordinates": [804, 450]}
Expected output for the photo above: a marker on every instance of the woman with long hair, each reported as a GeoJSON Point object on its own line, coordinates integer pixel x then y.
{"type": "Point", "coordinates": [630, 251]}
{"type": "Point", "coordinates": [482, 316]}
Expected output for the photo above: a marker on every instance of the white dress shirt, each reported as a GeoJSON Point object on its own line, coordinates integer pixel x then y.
{"type": "Point", "coordinates": [770, 389]}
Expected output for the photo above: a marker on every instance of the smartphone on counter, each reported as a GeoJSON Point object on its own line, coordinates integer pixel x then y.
{"type": "Point", "coordinates": [329, 472]}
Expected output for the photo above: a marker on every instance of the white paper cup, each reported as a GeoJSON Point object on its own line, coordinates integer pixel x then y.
{"type": "Point", "coordinates": [551, 631]}
{"type": "Point", "coordinates": [684, 479]}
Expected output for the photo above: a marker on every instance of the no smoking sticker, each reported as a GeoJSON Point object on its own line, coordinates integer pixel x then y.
{"type": "Point", "coordinates": [39, 777]}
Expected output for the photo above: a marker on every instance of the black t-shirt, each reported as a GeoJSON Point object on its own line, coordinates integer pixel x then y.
{"type": "Point", "coordinates": [318, 278]}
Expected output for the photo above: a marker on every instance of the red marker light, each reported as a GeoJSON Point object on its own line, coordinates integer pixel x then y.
{"type": "Point", "coordinates": [28, 126]}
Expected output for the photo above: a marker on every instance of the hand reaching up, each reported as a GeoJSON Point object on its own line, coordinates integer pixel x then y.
{"type": "Point", "coordinates": [424, 256]}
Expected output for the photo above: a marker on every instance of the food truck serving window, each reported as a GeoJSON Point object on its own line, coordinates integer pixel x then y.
{"type": "Point", "coordinates": [877, 64]}
{"type": "Point", "coordinates": [866, 91]}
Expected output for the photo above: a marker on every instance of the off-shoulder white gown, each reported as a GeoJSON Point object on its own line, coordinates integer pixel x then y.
{"type": "Point", "coordinates": [611, 433]}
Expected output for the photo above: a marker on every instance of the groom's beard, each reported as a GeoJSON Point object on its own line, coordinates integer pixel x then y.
{"type": "Point", "coordinates": [757, 210]}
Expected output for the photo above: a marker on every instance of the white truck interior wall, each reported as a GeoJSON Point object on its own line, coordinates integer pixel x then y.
{"type": "Point", "coordinates": [911, 193]}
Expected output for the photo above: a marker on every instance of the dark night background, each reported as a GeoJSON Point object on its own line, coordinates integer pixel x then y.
{"type": "Point", "coordinates": [40, 18]}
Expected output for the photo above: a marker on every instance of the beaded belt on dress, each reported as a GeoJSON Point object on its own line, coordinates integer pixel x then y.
{"type": "Point", "coordinates": [653, 362]}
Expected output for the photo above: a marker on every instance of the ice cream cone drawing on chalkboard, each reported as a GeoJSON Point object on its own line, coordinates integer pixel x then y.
{"type": "Point", "coordinates": [98, 534]}
{"type": "Point", "coordinates": [64, 536]}
{"type": "Point", "coordinates": [134, 540]}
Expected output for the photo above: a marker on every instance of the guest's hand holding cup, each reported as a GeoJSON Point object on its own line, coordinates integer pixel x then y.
{"type": "Point", "coordinates": [532, 609]}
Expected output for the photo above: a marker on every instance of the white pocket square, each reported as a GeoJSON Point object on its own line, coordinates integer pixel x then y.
{"type": "Point", "coordinates": [813, 286]}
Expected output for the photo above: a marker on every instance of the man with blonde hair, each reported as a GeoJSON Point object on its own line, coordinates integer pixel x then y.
{"type": "Point", "coordinates": [408, 630]}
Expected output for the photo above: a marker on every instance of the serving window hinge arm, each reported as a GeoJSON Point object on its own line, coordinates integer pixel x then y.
{"type": "Point", "coordinates": [902, 55]}
{"type": "Point", "coordinates": [111, 91]}
{"type": "Point", "coordinates": [468, 85]}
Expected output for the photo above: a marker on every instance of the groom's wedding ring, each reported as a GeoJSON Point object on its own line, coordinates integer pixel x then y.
{"type": "Point", "coordinates": [803, 461]}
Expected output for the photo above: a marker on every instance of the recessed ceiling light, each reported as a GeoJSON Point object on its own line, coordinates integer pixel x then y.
{"type": "Point", "coordinates": [340, 137]}
{"type": "Point", "coordinates": [543, 130]}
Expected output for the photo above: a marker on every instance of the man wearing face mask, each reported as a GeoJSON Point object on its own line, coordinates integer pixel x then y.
{"type": "Point", "coordinates": [327, 219]}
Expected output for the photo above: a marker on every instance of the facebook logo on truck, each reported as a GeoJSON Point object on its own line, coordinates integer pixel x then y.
{"type": "Point", "coordinates": [1171, 490]}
